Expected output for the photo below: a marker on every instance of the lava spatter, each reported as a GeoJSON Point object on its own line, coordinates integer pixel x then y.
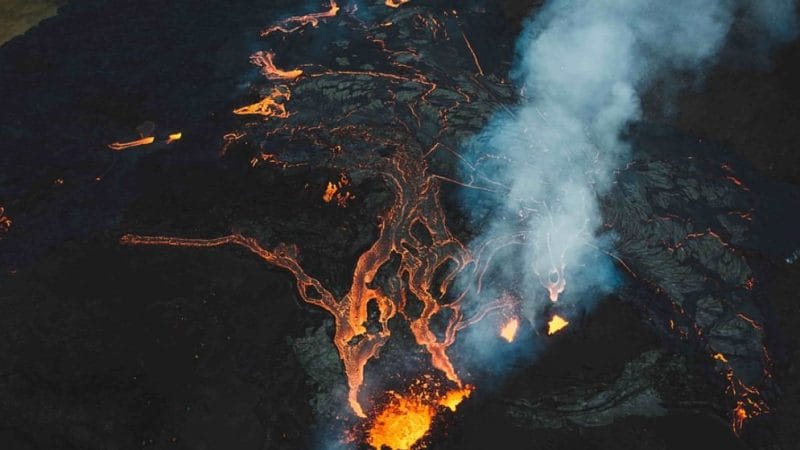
{"type": "Point", "coordinates": [404, 421]}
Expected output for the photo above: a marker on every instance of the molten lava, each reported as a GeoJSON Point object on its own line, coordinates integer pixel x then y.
{"type": "Point", "coordinates": [408, 262]}
{"type": "Point", "coordinates": [509, 330]}
{"type": "Point", "coordinates": [119, 146]}
{"type": "Point", "coordinates": [293, 24]}
{"type": "Point", "coordinates": [416, 202]}
{"type": "Point", "coordinates": [556, 324]}
{"type": "Point", "coordinates": [396, 3]}
{"type": "Point", "coordinates": [268, 69]}
{"type": "Point", "coordinates": [403, 422]}
{"type": "Point", "coordinates": [453, 398]}
{"type": "Point", "coordinates": [330, 191]}
{"type": "Point", "coordinates": [270, 106]}
{"type": "Point", "coordinates": [335, 191]}
{"type": "Point", "coordinates": [174, 137]}
{"type": "Point", "coordinates": [406, 419]}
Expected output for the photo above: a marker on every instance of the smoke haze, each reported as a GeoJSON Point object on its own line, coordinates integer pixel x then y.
{"type": "Point", "coordinates": [581, 68]}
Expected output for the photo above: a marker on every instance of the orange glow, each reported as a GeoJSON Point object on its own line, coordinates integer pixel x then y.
{"type": "Point", "coordinates": [509, 330]}
{"type": "Point", "coordinates": [750, 321]}
{"type": "Point", "coordinates": [406, 419]}
{"type": "Point", "coordinates": [228, 140]}
{"type": "Point", "coordinates": [268, 69]}
{"type": "Point", "coordinates": [748, 404]}
{"type": "Point", "coordinates": [720, 357]}
{"type": "Point", "coordinates": [119, 146]}
{"type": "Point", "coordinates": [174, 137]}
{"type": "Point", "coordinates": [396, 3]}
{"type": "Point", "coordinates": [293, 24]}
{"type": "Point", "coordinates": [556, 324]}
{"type": "Point", "coordinates": [330, 191]}
{"type": "Point", "coordinates": [453, 398]}
{"type": "Point", "coordinates": [270, 106]}
{"type": "Point", "coordinates": [5, 222]}
{"type": "Point", "coordinates": [334, 191]}
{"type": "Point", "coordinates": [554, 282]}
{"type": "Point", "coordinates": [474, 55]}
{"type": "Point", "coordinates": [355, 343]}
{"type": "Point", "coordinates": [740, 415]}
{"type": "Point", "coordinates": [403, 422]}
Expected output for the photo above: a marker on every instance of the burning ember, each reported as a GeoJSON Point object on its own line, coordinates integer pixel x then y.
{"type": "Point", "coordinates": [556, 324]}
{"type": "Point", "coordinates": [509, 330]}
{"type": "Point", "coordinates": [406, 419]}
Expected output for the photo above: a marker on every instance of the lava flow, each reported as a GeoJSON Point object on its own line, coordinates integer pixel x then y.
{"type": "Point", "coordinates": [268, 69]}
{"type": "Point", "coordinates": [415, 253]}
{"type": "Point", "coordinates": [416, 204]}
{"type": "Point", "coordinates": [119, 146]}
{"type": "Point", "coordinates": [293, 24]}
{"type": "Point", "coordinates": [270, 106]}
{"type": "Point", "coordinates": [396, 3]}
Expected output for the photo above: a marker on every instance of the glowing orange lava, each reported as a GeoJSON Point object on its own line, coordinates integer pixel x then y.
{"type": "Point", "coordinates": [174, 137]}
{"type": "Point", "coordinates": [509, 330]}
{"type": "Point", "coordinates": [556, 324]}
{"type": "Point", "coordinates": [273, 105]}
{"type": "Point", "coordinates": [474, 55]}
{"type": "Point", "coordinates": [402, 423]}
{"type": "Point", "coordinates": [293, 24]}
{"type": "Point", "coordinates": [334, 191]}
{"type": "Point", "coordinates": [453, 398]}
{"type": "Point", "coordinates": [268, 69]}
{"type": "Point", "coordinates": [330, 191]}
{"type": "Point", "coordinates": [119, 146]}
{"type": "Point", "coordinates": [407, 418]}
{"type": "Point", "coordinates": [416, 202]}
{"type": "Point", "coordinates": [396, 3]}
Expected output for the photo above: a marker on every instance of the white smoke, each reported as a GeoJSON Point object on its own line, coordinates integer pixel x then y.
{"type": "Point", "coordinates": [582, 67]}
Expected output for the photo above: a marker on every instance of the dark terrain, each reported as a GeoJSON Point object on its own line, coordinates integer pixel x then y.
{"type": "Point", "coordinates": [106, 346]}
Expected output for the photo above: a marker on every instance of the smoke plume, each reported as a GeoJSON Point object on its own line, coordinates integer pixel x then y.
{"type": "Point", "coordinates": [581, 68]}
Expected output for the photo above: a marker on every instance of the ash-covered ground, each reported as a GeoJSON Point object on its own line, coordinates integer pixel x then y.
{"type": "Point", "coordinates": [111, 346]}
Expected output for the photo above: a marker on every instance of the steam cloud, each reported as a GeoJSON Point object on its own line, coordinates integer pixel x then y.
{"type": "Point", "coordinates": [582, 66]}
